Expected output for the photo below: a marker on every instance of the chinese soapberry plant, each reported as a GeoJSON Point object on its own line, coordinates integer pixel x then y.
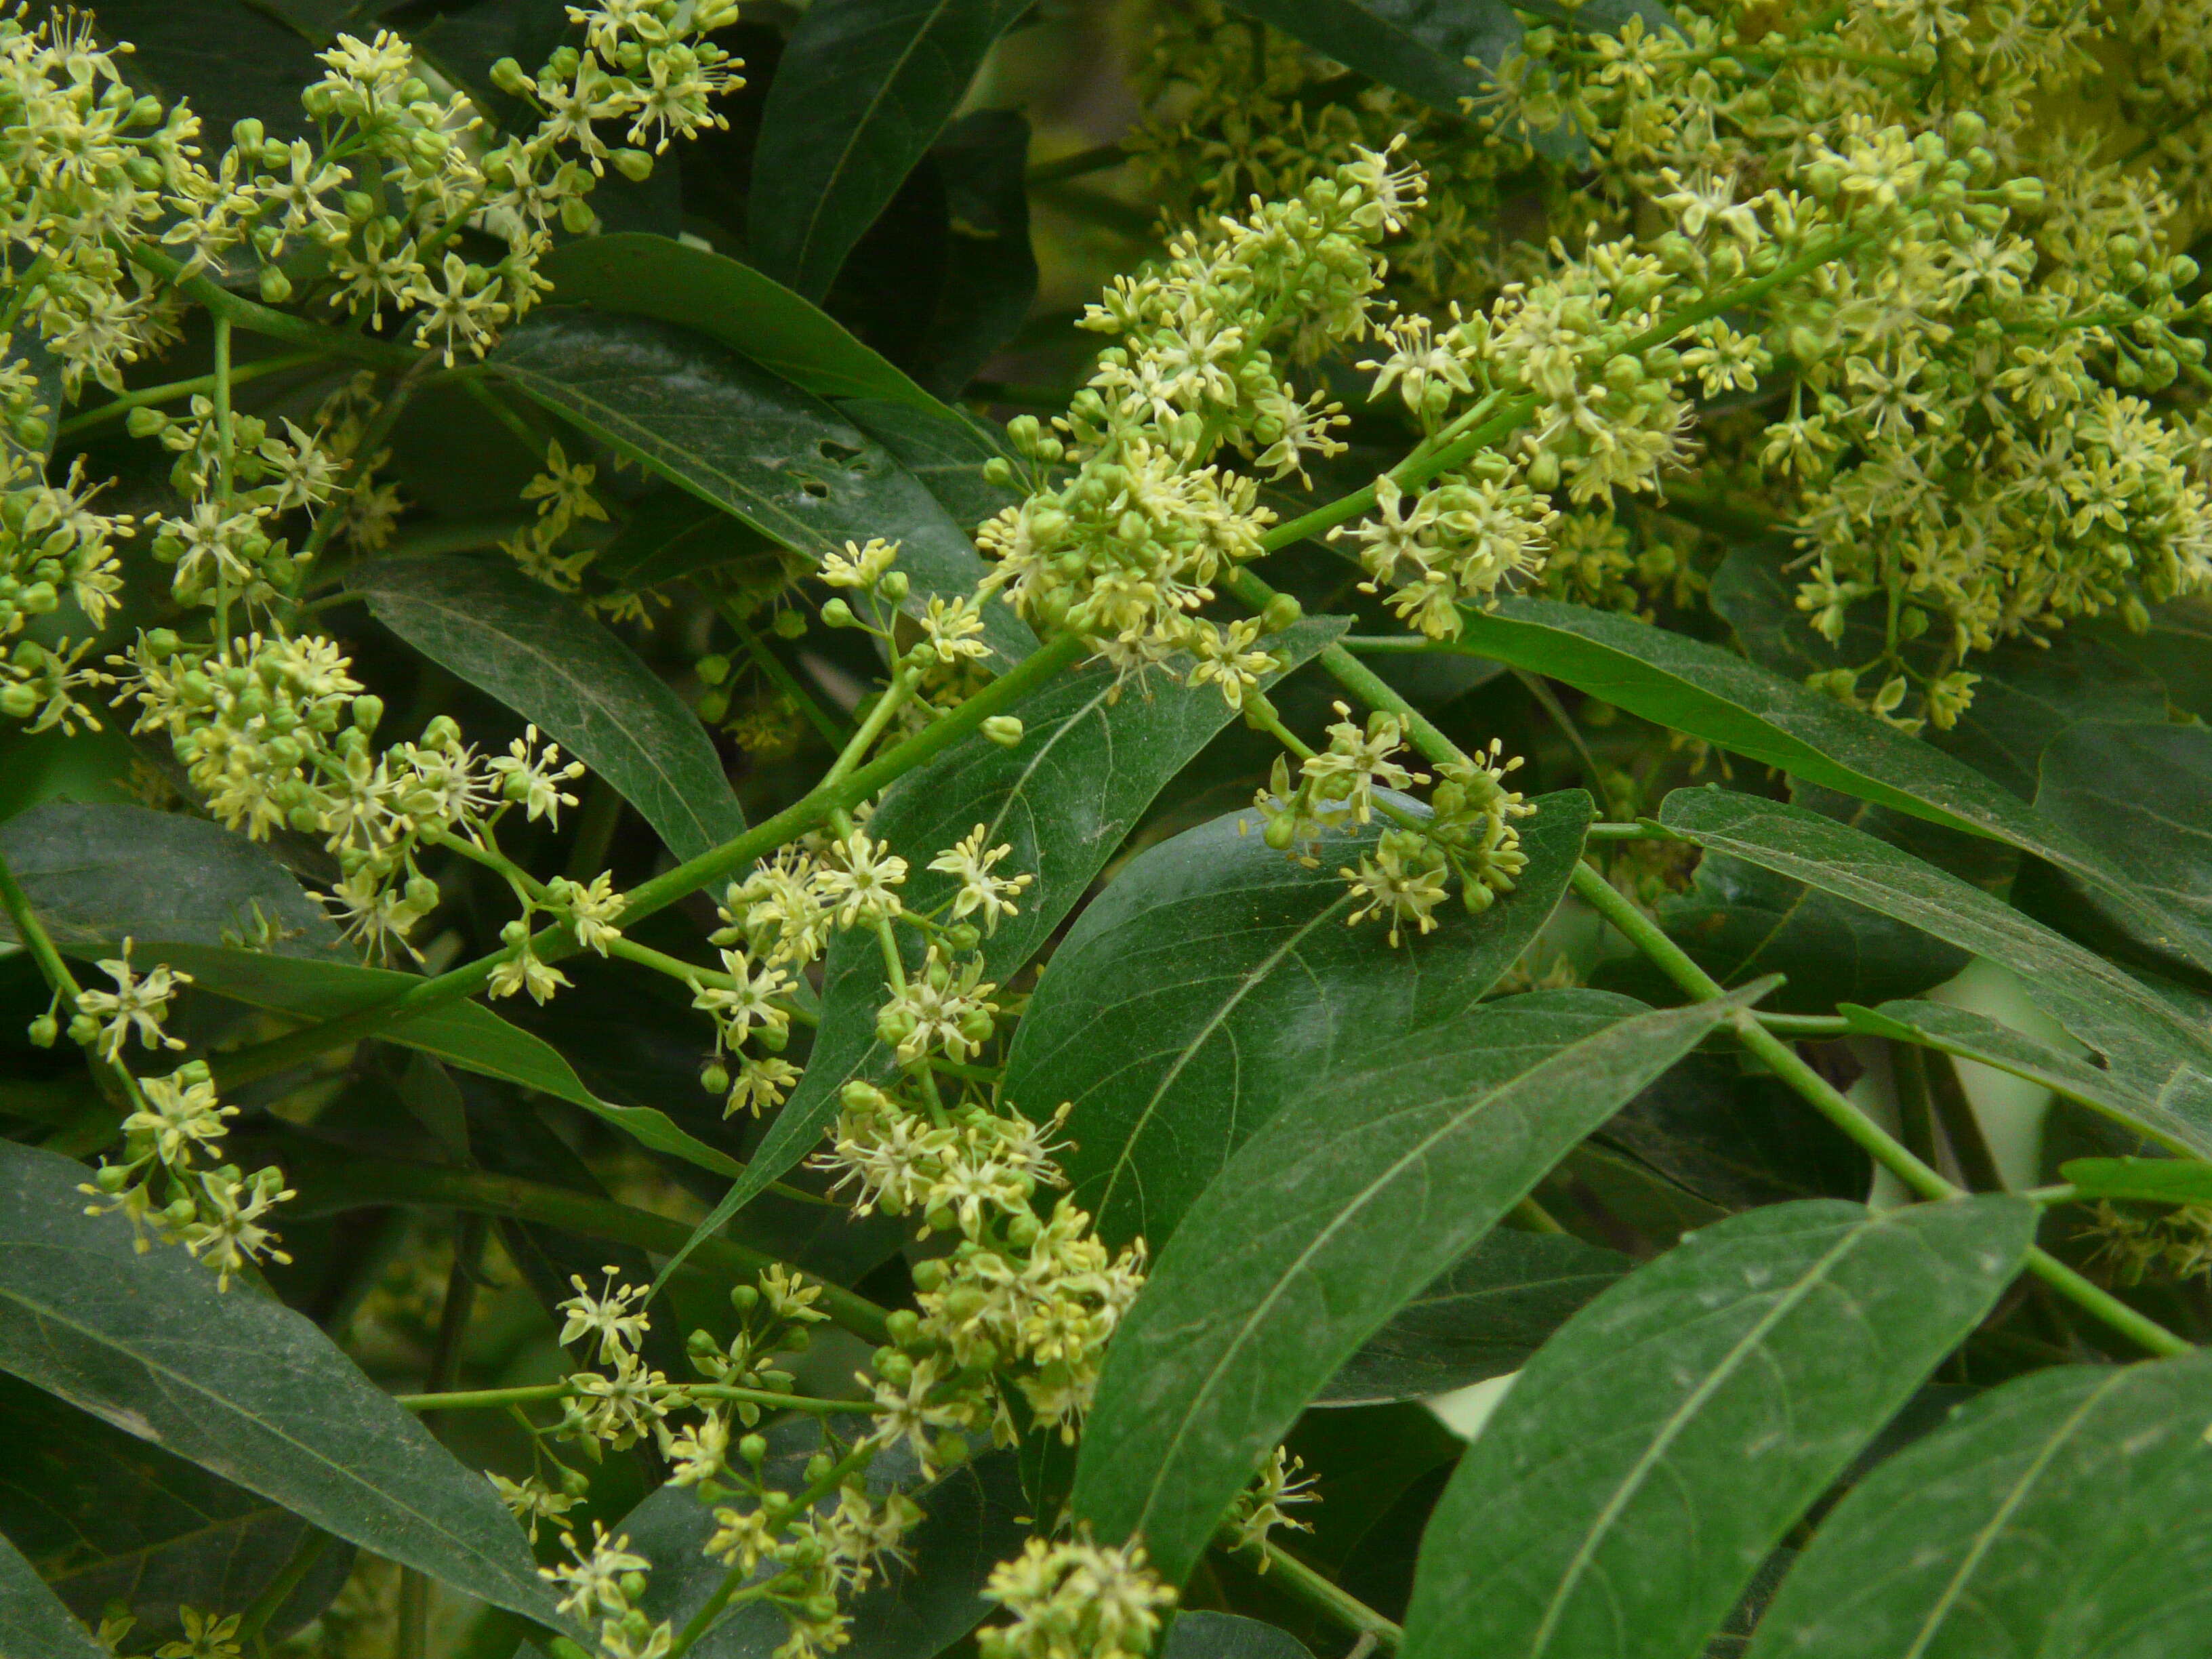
{"type": "Point", "coordinates": [1176, 829]}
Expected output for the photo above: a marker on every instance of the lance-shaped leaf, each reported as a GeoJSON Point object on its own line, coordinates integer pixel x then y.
{"type": "Point", "coordinates": [98, 874]}
{"type": "Point", "coordinates": [1656, 1451]}
{"type": "Point", "coordinates": [726, 299]}
{"type": "Point", "coordinates": [34, 1624]}
{"type": "Point", "coordinates": [1689, 686]}
{"type": "Point", "coordinates": [1094, 752]}
{"type": "Point", "coordinates": [464, 1034]}
{"type": "Point", "coordinates": [1485, 1317]}
{"type": "Point", "coordinates": [1348, 1204]}
{"type": "Point", "coordinates": [1969, 1035]}
{"type": "Point", "coordinates": [1217, 977]}
{"type": "Point", "coordinates": [2151, 1180]}
{"type": "Point", "coordinates": [238, 1384]}
{"type": "Point", "coordinates": [2066, 1514]}
{"type": "Point", "coordinates": [106, 1518]}
{"type": "Point", "coordinates": [538, 652]}
{"type": "Point", "coordinates": [861, 93]}
{"type": "Point", "coordinates": [2149, 1042]}
{"type": "Point", "coordinates": [759, 448]}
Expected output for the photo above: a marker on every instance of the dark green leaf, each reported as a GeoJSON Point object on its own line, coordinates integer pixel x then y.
{"type": "Point", "coordinates": [34, 1624]}
{"type": "Point", "coordinates": [98, 874]}
{"type": "Point", "coordinates": [1216, 978]}
{"type": "Point", "coordinates": [106, 1517]}
{"type": "Point", "coordinates": [1970, 1036]}
{"type": "Point", "coordinates": [2142, 796]}
{"type": "Point", "coordinates": [231, 58]}
{"type": "Point", "coordinates": [673, 535]}
{"type": "Point", "coordinates": [1094, 752]}
{"type": "Point", "coordinates": [1227, 1636]}
{"type": "Point", "coordinates": [238, 1384]}
{"type": "Point", "coordinates": [861, 93]}
{"type": "Point", "coordinates": [2152, 1180]}
{"type": "Point", "coordinates": [2066, 1514]}
{"type": "Point", "coordinates": [1342, 1209]}
{"type": "Point", "coordinates": [544, 656]}
{"type": "Point", "coordinates": [1655, 1451]}
{"type": "Point", "coordinates": [1484, 1317]}
{"type": "Point", "coordinates": [2147, 1041]}
{"type": "Point", "coordinates": [728, 300]}
{"type": "Point", "coordinates": [464, 1034]}
{"type": "Point", "coordinates": [947, 456]}
{"type": "Point", "coordinates": [782, 461]}
{"type": "Point", "coordinates": [991, 273]}
{"type": "Point", "coordinates": [1701, 689]}
{"type": "Point", "coordinates": [1419, 48]}
{"type": "Point", "coordinates": [2177, 647]}
{"type": "Point", "coordinates": [1739, 1140]}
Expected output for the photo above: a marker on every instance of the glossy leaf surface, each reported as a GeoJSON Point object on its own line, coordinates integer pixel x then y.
{"type": "Point", "coordinates": [2068, 1514]}
{"type": "Point", "coordinates": [776, 458]}
{"type": "Point", "coordinates": [1217, 977]}
{"type": "Point", "coordinates": [542, 656]}
{"type": "Point", "coordinates": [1345, 1206]}
{"type": "Point", "coordinates": [1654, 1452]}
{"type": "Point", "coordinates": [2141, 795]}
{"type": "Point", "coordinates": [729, 300]}
{"type": "Point", "coordinates": [238, 1384]}
{"type": "Point", "coordinates": [1689, 686]}
{"type": "Point", "coordinates": [106, 1517]}
{"type": "Point", "coordinates": [34, 1624]}
{"type": "Point", "coordinates": [98, 874]}
{"type": "Point", "coordinates": [861, 93]}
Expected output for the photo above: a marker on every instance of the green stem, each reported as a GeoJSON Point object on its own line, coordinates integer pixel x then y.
{"type": "Point", "coordinates": [539, 1393]}
{"type": "Point", "coordinates": [1304, 1585]}
{"type": "Point", "coordinates": [1548, 700]}
{"type": "Point", "coordinates": [175, 391]}
{"type": "Point", "coordinates": [330, 1180]}
{"type": "Point", "coordinates": [258, 318]}
{"type": "Point", "coordinates": [1879, 1144]}
{"type": "Point", "coordinates": [243, 1065]}
{"type": "Point", "coordinates": [278, 1590]}
{"type": "Point", "coordinates": [32, 934]}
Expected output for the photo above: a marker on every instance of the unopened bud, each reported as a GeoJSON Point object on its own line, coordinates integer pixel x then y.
{"type": "Point", "coordinates": [837, 614]}
{"type": "Point", "coordinates": [1005, 730]}
{"type": "Point", "coordinates": [893, 586]}
{"type": "Point", "coordinates": [634, 165]}
{"type": "Point", "coordinates": [791, 624]}
{"type": "Point", "coordinates": [275, 286]}
{"type": "Point", "coordinates": [712, 670]}
{"type": "Point", "coordinates": [506, 75]}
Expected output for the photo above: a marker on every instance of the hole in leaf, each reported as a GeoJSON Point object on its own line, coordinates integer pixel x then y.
{"type": "Point", "coordinates": [832, 450]}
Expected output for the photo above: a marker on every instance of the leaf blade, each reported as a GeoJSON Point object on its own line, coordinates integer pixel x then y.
{"type": "Point", "coordinates": [239, 1385]}
{"type": "Point", "coordinates": [560, 668]}
{"type": "Point", "coordinates": [859, 94]}
{"type": "Point", "coordinates": [1214, 975]}
{"type": "Point", "coordinates": [1315, 1235]}
{"type": "Point", "coordinates": [1653, 1454]}
{"type": "Point", "coordinates": [34, 1624]}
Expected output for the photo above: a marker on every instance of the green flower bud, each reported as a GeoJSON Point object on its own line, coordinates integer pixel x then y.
{"type": "Point", "coordinates": [1005, 730]}
{"type": "Point", "coordinates": [837, 614]}
{"type": "Point", "coordinates": [712, 670]}
{"type": "Point", "coordinates": [790, 624]}
{"type": "Point", "coordinates": [43, 1031]}
{"type": "Point", "coordinates": [634, 165]}
{"type": "Point", "coordinates": [275, 286]}
{"type": "Point", "coordinates": [1281, 611]}
{"type": "Point", "coordinates": [893, 586]}
{"type": "Point", "coordinates": [508, 75]}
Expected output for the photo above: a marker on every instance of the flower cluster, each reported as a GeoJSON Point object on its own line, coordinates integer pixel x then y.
{"type": "Point", "coordinates": [164, 1182]}
{"type": "Point", "coordinates": [1467, 834]}
{"type": "Point", "coordinates": [1074, 1597]}
{"type": "Point", "coordinates": [275, 733]}
{"type": "Point", "coordinates": [1149, 516]}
